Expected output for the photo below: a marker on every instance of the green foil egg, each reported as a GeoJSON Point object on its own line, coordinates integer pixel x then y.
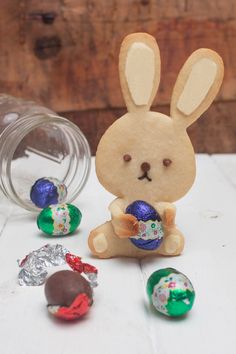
{"type": "Point", "coordinates": [170, 292]}
{"type": "Point", "coordinates": [59, 220]}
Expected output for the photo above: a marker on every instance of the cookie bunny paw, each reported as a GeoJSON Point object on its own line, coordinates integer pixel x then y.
{"type": "Point", "coordinates": [125, 225]}
{"type": "Point", "coordinates": [172, 245]}
{"type": "Point", "coordinates": [98, 244]}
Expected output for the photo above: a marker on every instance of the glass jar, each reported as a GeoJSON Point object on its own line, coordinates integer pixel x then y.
{"type": "Point", "coordinates": [35, 142]}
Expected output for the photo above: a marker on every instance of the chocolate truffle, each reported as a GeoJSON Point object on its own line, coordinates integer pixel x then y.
{"type": "Point", "coordinates": [62, 288]}
{"type": "Point", "coordinates": [69, 295]}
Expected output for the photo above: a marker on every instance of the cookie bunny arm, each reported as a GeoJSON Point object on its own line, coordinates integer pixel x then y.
{"type": "Point", "coordinates": [173, 242]}
{"type": "Point", "coordinates": [117, 207]}
{"type": "Point", "coordinates": [125, 225]}
{"type": "Point", "coordinates": [197, 85]}
{"type": "Point", "coordinates": [167, 212]}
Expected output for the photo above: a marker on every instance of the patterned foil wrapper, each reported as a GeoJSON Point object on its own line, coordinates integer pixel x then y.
{"type": "Point", "coordinates": [170, 292]}
{"type": "Point", "coordinates": [151, 231]}
{"type": "Point", "coordinates": [78, 266]}
{"type": "Point", "coordinates": [34, 265]}
{"type": "Point", "coordinates": [92, 277]}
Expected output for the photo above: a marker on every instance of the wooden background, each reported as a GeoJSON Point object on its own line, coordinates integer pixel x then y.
{"type": "Point", "coordinates": [64, 54]}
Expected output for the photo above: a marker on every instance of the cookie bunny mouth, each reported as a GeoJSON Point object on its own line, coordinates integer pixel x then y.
{"type": "Point", "coordinates": [145, 175]}
{"type": "Point", "coordinates": [145, 167]}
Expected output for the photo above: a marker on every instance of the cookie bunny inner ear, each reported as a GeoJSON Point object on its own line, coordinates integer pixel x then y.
{"type": "Point", "coordinates": [197, 85]}
{"type": "Point", "coordinates": [139, 68]}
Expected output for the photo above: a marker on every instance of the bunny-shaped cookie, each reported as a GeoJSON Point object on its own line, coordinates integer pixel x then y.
{"type": "Point", "coordinates": [146, 155]}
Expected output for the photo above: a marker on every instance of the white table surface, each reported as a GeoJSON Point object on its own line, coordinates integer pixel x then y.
{"type": "Point", "coordinates": [121, 320]}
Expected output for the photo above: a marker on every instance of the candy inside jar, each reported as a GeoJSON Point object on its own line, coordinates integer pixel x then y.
{"type": "Point", "coordinates": [36, 143]}
{"type": "Point", "coordinates": [48, 191]}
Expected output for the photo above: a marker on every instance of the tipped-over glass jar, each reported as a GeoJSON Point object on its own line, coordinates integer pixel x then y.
{"type": "Point", "coordinates": [34, 143]}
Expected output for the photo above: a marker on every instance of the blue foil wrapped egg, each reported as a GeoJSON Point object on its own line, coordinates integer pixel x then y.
{"type": "Point", "coordinates": [48, 191]}
{"type": "Point", "coordinates": [151, 231]}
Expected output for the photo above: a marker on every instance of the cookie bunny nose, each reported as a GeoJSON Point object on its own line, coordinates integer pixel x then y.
{"type": "Point", "coordinates": [145, 167]}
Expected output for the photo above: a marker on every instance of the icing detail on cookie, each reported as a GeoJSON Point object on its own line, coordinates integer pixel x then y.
{"type": "Point", "coordinates": [127, 158]}
{"type": "Point", "coordinates": [199, 82]}
{"type": "Point", "coordinates": [145, 167]}
{"type": "Point", "coordinates": [167, 162]}
{"type": "Point", "coordinates": [140, 58]}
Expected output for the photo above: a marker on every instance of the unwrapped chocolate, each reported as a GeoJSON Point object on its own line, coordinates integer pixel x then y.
{"type": "Point", "coordinates": [69, 295]}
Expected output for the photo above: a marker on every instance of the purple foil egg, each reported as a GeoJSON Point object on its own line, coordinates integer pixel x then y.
{"type": "Point", "coordinates": [151, 231]}
{"type": "Point", "coordinates": [48, 191]}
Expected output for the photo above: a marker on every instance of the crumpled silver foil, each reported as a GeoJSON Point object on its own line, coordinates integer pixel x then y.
{"type": "Point", "coordinates": [92, 277]}
{"type": "Point", "coordinates": [33, 267]}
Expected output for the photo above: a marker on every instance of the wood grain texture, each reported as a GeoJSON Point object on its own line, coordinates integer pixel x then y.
{"type": "Point", "coordinates": [214, 132]}
{"type": "Point", "coordinates": [64, 53]}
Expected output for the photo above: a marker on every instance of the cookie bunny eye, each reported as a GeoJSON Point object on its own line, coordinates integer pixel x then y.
{"type": "Point", "coordinates": [167, 162]}
{"type": "Point", "coordinates": [127, 158]}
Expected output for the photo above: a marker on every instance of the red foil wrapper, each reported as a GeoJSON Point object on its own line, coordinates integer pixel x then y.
{"type": "Point", "coordinates": [79, 307]}
{"type": "Point", "coordinates": [77, 265]}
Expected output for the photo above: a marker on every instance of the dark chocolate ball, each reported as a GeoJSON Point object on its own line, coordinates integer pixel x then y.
{"type": "Point", "coordinates": [64, 286]}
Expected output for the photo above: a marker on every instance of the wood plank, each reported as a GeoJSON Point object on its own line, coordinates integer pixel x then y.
{"type": "Point", "coordinates": [215, 132]}
{"type": "Point", "coordinates": [64, 54]}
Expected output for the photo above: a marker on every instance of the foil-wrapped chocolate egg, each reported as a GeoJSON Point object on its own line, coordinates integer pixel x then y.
{"type": "Point", "coordinates": [47, 191]}
{"type": "Point", "coordinates": [69, 295]}
{"type": "Point", "coordinates": [59, 220]}
{"type": "Point", "coordinates": [170, 292]}
{"type": "Point", "coordinates": [151, 232]}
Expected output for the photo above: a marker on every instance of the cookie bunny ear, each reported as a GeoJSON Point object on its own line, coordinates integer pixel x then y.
{"type": "Point", "coordinates": [139, 68]}
{"type": "Point", "coordinates": [197, 85]}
